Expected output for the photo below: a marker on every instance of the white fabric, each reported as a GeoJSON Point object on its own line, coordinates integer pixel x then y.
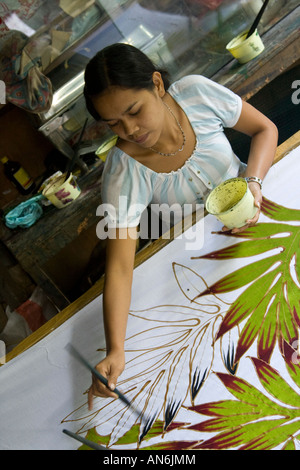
{"type": "Point", "coordinates": [43, 390]}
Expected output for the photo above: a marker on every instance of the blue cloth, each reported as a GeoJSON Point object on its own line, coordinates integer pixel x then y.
{"type": "Point", "coordinates": [25, 214]}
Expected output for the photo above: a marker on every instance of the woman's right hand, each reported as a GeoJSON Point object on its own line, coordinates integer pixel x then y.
{"type": "Point", "coordinates": [111, 367]}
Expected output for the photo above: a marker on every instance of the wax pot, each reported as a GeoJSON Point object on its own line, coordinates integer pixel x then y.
{"type": "Point", "coordinates": [61, 191]}
{"type": "Point", "coordinates": [103, 150]}
{"type": "Point", "coordinates": [232, 203]}
{"type": "Point", "coordinates": [245, 49]}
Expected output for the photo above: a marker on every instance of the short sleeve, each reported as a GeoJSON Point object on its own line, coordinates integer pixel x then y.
{"type": "Point", "coordinates": [126, 190]}
{"type": "Point", "coordinates": [213, 104]}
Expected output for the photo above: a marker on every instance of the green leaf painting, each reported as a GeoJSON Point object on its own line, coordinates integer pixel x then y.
{"type": "Point", "coordinates": [258, 422]}
{"type": "Point", "coordinates": [271, 300]}
{"type": "Point", "coordinates": [184, 353]}
{"type": "Point", "coordinates": [251, 420]}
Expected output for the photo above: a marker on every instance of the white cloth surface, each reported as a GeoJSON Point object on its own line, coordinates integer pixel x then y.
{"type": "Point", "coordinates": [41, 388]}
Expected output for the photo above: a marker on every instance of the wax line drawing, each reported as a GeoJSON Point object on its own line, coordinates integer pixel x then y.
{"type": "Point", "coordinates": [173, 354]}
{"type": "Point", "coordinates": [250, 421]}
{"type": "Point", "coordinates": [175, 345]}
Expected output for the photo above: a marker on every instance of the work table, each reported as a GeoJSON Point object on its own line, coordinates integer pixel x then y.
{"type": "Point", "coordinates": [33, 246]}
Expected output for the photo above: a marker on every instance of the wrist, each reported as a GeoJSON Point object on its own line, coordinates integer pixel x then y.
{"type": "Point", "coordinates": [254, 179]}
{"type": "Point", "coordinates": [119, 349]}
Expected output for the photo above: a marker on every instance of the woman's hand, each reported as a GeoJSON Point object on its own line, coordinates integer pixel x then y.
{"type": "Point", "coordinates": [111, 367]}
{"type": "Point", "coordinates": [256, 191]}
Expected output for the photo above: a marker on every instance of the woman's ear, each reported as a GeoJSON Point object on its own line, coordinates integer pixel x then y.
{"type": "Point", "coordinates": [158, 83]}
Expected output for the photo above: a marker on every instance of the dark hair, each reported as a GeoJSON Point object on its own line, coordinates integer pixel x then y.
{"type": "Point", "coordinates": [119, 65]}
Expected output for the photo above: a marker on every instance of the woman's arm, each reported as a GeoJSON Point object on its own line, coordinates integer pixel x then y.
{"type": "Point", "coordinates": [264, 139]}
{"type": "Point", "coordinates": [120, 254]}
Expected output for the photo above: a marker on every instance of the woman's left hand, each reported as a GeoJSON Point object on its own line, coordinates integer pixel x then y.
{"type": "Point", "coordinates": [257, 194]}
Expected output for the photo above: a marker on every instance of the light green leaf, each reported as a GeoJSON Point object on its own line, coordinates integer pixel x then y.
{"type": "Point", "coordinates": [244, 391]}
{"type": "Point", "coordinates": [242, 435]}
{"type": "Point", "coordinates": [246, 248]}
{"type": "Point", "coordinates": [253, 325]}
{"type": "Point", "coordinates": [278, 212]}
{"type": "Point", "coordinates": [268, 333]}
{"type": "Point", "coordinates": [240, 277]}
{"type": "Point", "coordinates": [269, 438]}
{"type": "Point", "coordinates": [290, 445]}
{"type": "Point", "coordinates": [277, 387]}
{"type": "Point", "coordinates": [247, 302]}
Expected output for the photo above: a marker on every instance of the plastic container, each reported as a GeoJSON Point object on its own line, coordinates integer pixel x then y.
{"type": "Point", "coordinates": [103, 150]}
{"type": "Point", "coordinates": [245, 49]}
{"type": "Point", "coordinates": [232, 203]}
{"type": "Point", "coordinates": [62, 192]}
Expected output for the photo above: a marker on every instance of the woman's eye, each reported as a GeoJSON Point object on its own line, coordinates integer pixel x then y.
{"type": "Point", "coordinates": [114, 124]}
{"type": "Point", "coordinates": [136, 112]}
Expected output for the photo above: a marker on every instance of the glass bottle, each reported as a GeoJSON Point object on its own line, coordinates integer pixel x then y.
{"type": "Point", "coordinates": [18, 176]}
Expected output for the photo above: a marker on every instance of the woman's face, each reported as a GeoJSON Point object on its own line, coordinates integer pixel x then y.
{"type": "Point", "coordinates": [134, 115]}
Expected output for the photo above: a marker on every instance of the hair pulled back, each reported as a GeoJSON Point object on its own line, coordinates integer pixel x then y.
{"type": "Point", "coordinates": [120, 65]}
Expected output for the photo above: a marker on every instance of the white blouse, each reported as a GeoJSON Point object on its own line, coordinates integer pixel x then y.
{"type": "Point", "coordinates": [128, 186]}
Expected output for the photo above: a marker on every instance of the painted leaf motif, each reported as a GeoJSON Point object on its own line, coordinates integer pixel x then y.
{"type": "Point", "coordinates": [276, 212]}
{"type": "Point", "coordinates": [271, 298]}
{"type": "Point", "coordinates": [253, 420]}
{"type": "Point", "coordinates": [292, 359]}
{"type": "Point", "coordinates": [275, 385]}
{"type": "Point", "coordinates": [171, 445]}
{"type": "Point", "coordinates": [276, 436]}
{"type": "Point", "coordinates": [238, 278]}
{"type": "Point", "coordinates": [235, 438]}
{"type": "Point", "coordinates": [132, 436]}
{"type": "Point", "coordinates": [253, 325]}
{"type": "Point", "coordinates": [174, 346]}
{"type": "Point", "coordinates": [247, 248]}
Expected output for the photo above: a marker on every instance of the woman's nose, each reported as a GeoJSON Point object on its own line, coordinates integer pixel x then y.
{"type": "Point", "coordinates": [130, 127]}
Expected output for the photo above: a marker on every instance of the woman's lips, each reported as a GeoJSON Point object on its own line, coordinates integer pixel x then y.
{"type": "Point", "coordinates": [140, 140]}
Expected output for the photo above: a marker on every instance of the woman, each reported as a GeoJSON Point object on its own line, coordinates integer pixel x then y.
{"type": "Point", "coordinates": [171, 148]}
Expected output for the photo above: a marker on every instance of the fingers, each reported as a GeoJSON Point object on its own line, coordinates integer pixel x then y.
{"type": "Point", "coordinates": [254, 220]}
{"type": "Point", "coordinates": [110, 368]}
{"type": "Point", "coordinates": [101, 390]}
{"type": "Point", "coordinates": [97, 389]}
{"type": "Point", "coordinates": [112, 382]}
{"type": "Point", "coordinates": [249, 222]}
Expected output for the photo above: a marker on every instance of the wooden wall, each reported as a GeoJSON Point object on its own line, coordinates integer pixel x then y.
{"type": "Point", "coordinates": [20, 141]}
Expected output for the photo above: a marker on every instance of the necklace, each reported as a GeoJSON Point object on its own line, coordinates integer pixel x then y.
{"type": "Point", "coordinates": [182, 132]}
